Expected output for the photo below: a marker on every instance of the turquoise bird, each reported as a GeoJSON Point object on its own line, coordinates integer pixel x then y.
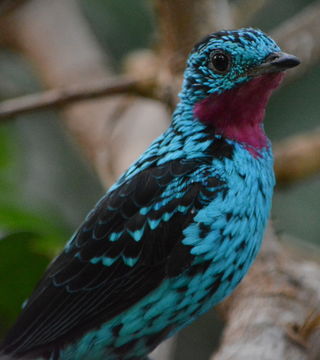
{"type": "Point", "coordinates": [178, 231]}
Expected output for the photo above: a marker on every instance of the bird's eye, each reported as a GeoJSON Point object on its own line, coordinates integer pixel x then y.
{"type": "Point", "coordinates": [220, 62]}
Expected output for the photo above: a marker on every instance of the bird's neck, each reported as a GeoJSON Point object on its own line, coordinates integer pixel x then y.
{"type": "Point", "coordinates": [238, 113]}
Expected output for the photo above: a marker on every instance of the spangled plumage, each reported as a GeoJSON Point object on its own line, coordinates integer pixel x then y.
{"type": "Point", "coordinates": [170, 239]}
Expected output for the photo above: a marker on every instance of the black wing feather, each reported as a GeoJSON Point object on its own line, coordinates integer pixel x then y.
{"type": "Point", "coordinates": [76, 295]}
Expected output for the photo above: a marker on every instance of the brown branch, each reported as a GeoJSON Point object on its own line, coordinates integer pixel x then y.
{"type": "Point", "coordinates": [297, 157]}
{"type": "Point", "coordinates": [68, 95]}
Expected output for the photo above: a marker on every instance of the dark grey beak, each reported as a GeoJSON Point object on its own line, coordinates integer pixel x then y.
{"type": "Point", "coordinates": [275, 62]}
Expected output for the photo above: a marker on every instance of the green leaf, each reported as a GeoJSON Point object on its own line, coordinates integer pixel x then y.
{"type": "Point", "coordinates": [50, 233]}
{"type": "Point", "coordinates": [20, 269]}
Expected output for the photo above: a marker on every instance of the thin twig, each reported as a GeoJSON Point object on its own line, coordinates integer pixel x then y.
{"type": "Point", "coordinates": [59, 97]}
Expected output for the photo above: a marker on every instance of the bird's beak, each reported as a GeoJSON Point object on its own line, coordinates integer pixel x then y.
{"type": "Point", "coordinates": [275, 62]}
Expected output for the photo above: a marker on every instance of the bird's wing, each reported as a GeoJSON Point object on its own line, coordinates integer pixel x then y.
{"type": "Point", "coordinates": [122, 251]}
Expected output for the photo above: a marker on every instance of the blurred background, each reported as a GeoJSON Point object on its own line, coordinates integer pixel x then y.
{"type": "Point", "coordinates": [47, 186]}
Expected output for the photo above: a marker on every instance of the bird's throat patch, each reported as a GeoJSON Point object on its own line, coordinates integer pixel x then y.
{"type": "Point", "coordinates": [238, 113]}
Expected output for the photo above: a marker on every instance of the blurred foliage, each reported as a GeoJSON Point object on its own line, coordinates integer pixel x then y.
{"type": "Point", "coordinates": [46, 186]}
{"type": "Point", "coordinates": [20, 267]}
{"type": "Point", "coordinates": [27, 239]}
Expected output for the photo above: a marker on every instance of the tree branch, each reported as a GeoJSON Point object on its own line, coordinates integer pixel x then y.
{"type": "Point", "coordinates": [68, 95]}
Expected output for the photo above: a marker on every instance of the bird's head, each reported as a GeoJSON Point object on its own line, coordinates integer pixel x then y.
{"type": "Point", "coordinates": [229, 78]}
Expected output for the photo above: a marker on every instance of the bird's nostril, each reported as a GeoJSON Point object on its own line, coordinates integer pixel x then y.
{"type": "Point", "coordinates": [272, 57]}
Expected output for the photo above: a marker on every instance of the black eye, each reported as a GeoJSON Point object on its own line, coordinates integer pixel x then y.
{"type": "Point", "coordinates": [220, 62]}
